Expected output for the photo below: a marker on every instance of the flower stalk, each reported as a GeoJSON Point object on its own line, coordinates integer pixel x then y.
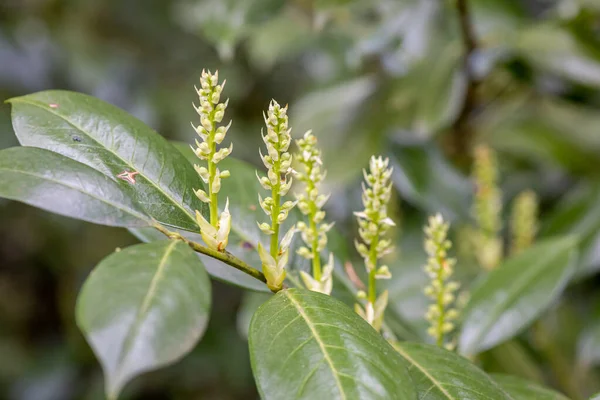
{"type": "Point", "coordinates": [310, 203]}
{"type": "Point", "coordinates": [373, 224]}
{"type": "Point", "coordinates": [278, 162]}
{"type": "Point", "coordinates": [441, 290]}
{"type": "Point", "coordinates": [211, 111]}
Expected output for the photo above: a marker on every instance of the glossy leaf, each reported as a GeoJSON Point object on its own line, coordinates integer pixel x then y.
{"type": "Point", "coordinates": [111, 141]}
{"type": "Point", "coordinates": [143, 308]}
{"type": "Point", "coordinates": [443, 375]}
{"type": "Point", "coordinates": [306, 345]}
{"type": "Point", "coordinates": [522, 389]}
{"type": "Point", "coordinates": [58, 184]}
{"type": "Point", "coordinates": [515, 293]}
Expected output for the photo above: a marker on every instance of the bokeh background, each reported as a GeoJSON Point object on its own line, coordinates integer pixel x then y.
{"type": "Point", "coordinates": [421, 81]}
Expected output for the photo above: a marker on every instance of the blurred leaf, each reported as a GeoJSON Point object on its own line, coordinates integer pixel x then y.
{"type": "Point", "coordinates": [143, 308]}
{"type": "Point", "coordinates": [111, 141]}
{"type": "Point", "coordinates": [442, 374]}
{"type": "Point", "coordinates": [578, 213]}
{"type": "Point", "coordinates": [225, 22]}
{"type": "Point", "coordinates": [250, 303]}
{"type": "Point", "coordinates": [438, 88]}
{"type": "Point", "coordinates": [549, 131]}
{"type": "Point", "coordinates": [512, 358]}
{"type": "Point", "coordinates": [326, 351]}
{"type": "Point", "coordinates": [595, 397]}
{"type": "Point", "coordinates": [282, 36]}
{"type": "Point", "coordinates": [58, 184]}
{"type": "Point", "coordinates": [406, 297]}
{"type": "Point", "coordinates": [554, 49]}
{"type": "Point", "coordinates": [340, 119]}
{"type": "Point", "coordinates": [522, 389]}
{"type": "Point", "coordinates": [514, 294]}
{"type": "Point", "coordinates": [588, 348]}
{"type": "Point", "coordinates": [427, 180]}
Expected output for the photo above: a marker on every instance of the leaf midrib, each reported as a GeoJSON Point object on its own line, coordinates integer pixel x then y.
{"type": "Point", "coordinates": [80, 190]}
{"type": "Point", "coordinates": [143, 310]}
{"type": "Point", "coordinates": [318, 339]}
{"type": "Point", "coordinates": [424, 371]}
{"type": "Point", "coordinates": [64, 118]}
{"type": "Point", "coordinates": [532, 272]}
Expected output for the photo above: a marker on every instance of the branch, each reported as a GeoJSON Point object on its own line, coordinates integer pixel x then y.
{"type": "Point", "coordinates": [463, 132]}
{"type": "Point", "coordinates": [225, 256]}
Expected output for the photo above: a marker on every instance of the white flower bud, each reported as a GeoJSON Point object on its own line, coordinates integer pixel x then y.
{"type": "Point", "coordinates": [216, 184]}
{"type": "Point", "coordinates": [265, 228]}
{"type": "Point", "coordinates": [201, 194]}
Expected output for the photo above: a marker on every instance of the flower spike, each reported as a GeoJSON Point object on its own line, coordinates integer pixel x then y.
{"type": "Point", "coordinates": [373, 223]}
{"type": "Point", "coordinates": [211, 112]}
{"type": "Point", "coordinates": [278, 180]}
{"type": "Point", "coordinates": [440, 314]}
{"type": "Point", "coordinates": [310, 202]}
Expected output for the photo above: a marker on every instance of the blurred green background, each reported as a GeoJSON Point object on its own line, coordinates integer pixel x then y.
{"type": "Point", "coordinates": [399, 77]}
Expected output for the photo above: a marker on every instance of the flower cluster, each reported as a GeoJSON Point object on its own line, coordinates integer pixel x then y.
{"type": "Point", "coordinates": [487, 207]}
{"type": "Point", "coordinates": [439, 267]}
{"type": "Point", "coordinates": [373, 224]}
{"type": "Point", "coordinates": [211, 111]}
{"type": "Point", "coordinates": [278, 162]}
{"type": "Point", "coordinates": [310, 203]}
{"type": "Point", "coordinates": [524, 222]}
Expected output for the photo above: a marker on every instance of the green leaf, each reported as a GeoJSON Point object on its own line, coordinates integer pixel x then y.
{"type": "Point", "coordinates": [250, 303]}
{"type": "Point", "coordinates": [111, 141]}
{"type": "Point", "coordinates": [306, 345]}
{"type": "Point", "coordinates": [441, 374]}
{"type": "Point", "coordinates": [514, 294]}
{"type": "Point", "coordinates": [58, 184]}
{"type": "Point", "coordinates": [346, 116]}
{"type": "Point", "coordinates": [595, 397]}
{"type": "Point", "coordinates": [588, 348]}
{"type": "Point", "coordinates": [143, 308]}
{"type": "Point", "coordinates": [578, 213]}
{"type": "Point", "coordinates": [427, 180]}
{"type": "Point", "coordinates": [522, 389]}
{"type": "Point", "coordinates": [553, 48]}
{"type": "Point", "coordinates": [514, 358]}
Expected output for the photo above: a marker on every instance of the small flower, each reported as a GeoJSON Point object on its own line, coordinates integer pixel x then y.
{"type": "Point", "coordinates": [216, 238]}
{"type": "Point", "coordinates": [325, 283]}
{"type": "Point", "coordinates": [373, 224]}
{"type": "Point", "coordinates": [211, 113]}
{"type": "Point", "coordinates": [274, 270]}
{"type": "Point", "coordinates": [278, 180]}
{"type": "Point", "coordinates": [373, 313]}
{"type": "Point", "coordinates": [441, 290]}
{"type": "Point", "coordinates": [524, 224]}
{"type": "Point", "coordinates": [487, 208]}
